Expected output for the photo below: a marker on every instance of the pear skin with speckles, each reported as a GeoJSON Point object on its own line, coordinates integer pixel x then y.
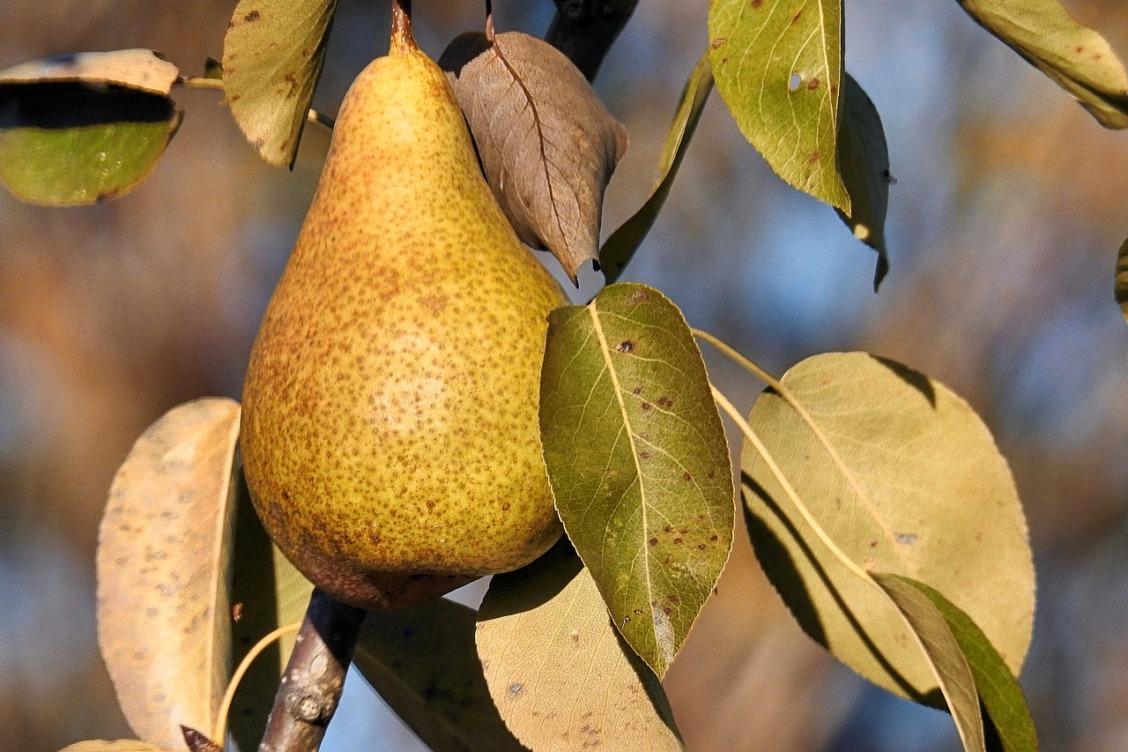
{"type": "Point", "coordinates": [390, 438]}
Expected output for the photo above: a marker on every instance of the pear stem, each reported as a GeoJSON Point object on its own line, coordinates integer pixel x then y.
{"type": "Point", "coordinates": [311, 688]}
{"type": "Point", "coordinates": [403, 35]}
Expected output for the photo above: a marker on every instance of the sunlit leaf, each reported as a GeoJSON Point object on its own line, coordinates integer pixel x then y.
{"type": "Point", "coordinates": [778, 65]}
{"type": "Point", "coordinates": [863, 158]}
{"type": "Point", "coordinates": [1073, 56]}
{"type": "Point", "coordinates": [77, 129]}
{"type": "Point", "coordinates": [272, 58]}
{"type": "Point", "coordinates": [547, 144]}
{"type": "Point", "coordinates": [622, 244]}
{"type": "Point", "coordinates": [942, 650]}
{"type": "Point", "coordinates": [560, 674]}
{"type": "Point", "coordinates": [267, 592]}
{"type": "Point", "coordinates": [998, 688]}
{"type": "Point", "coordinates": [915, 487]}
{"type": "Point", "coordinates": [1121, 283]}
{"type": "Point", "coordinates": [163, 561]}
{"type": "Point", "coordinates": [136, 69]}
{"type": "Point", "coordinates": [423, 663]}
{"type": "Point", "coordinates": [638, 461]}
{"type": "Point", "coordinates": [122, 745]}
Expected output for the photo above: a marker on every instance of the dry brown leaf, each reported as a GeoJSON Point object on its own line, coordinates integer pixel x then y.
{"type": "Point", "coordinates": [546, 143]}
{"type": "Point", "coordinates": [163, 558]}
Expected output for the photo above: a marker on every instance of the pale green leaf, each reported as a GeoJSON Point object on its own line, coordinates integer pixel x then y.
{"type": "Point", "coordinates": [1120, 288]}
{"type": "Point", "coordinates": [943, 652]}
{"type": "Point", "coordinates": [1075, 57]}
{"type": "Point", "coordinates": [863, 157]}
{"type": "Point", "coordinates": [915, 487]}
{"type": "Point", "coordinates": [621, 246]}
{"type": "Point", "coordinates": [638, 461]}
{"type": "Point", "coordinates": [77, 129]}
{"type": "Point", "coordinates": [268, 592]}
{"type": "Point", "coordinates": [121, 745]}
{"type": "Point", "coordinates": [272, 58]}
{"type": "Point", "coordinates": [558, 671]}
{"type": "Point", "coordinates": [423, 663]}
{"type": "Point", "coordinates": [778, 65]}
{"type": "Point", "coordinates": [998, 688]}
{"type": "Point", "coordinates": [163, 566]}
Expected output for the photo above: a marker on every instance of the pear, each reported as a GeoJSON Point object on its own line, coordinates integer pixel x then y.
{"type": "Point", "coordinates": [389, 434]}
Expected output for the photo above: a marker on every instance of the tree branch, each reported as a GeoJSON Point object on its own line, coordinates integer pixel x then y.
{"type": "Point", "coordinates": [311, 688]}
{"type": "Point", "coordinates": [584, 30]}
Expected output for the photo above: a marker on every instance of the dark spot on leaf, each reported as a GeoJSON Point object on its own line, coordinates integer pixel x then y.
{"type": "Point", "coordinates": [719, 42]}
{"type": "Point", "coordinates": [813, 84]}
{"type": "Point", "coordinates": [700, 546]}
{"type": "Point", "coordinates": [251, 17]}
{"type": "Point", "coordinates": [795, 18]}
{"type": "Point", "coordinates": [653, 541]}
{"type": "Point", "coordinates": [713, 539]}
{"type": "Point", "coordinates": [638, 612]}
{"type": "Point", "coordinates": [814, 158]}
{"type": "Point", "coordinates": [625, 346]}
{"type": "Point", "coordinates": [687, 477]}
{"type": "Point", "coordinates": [637, 390]}
{"type": "Point", "coordinates": [673, 598]}
{"type": "Point", "coordinates": [667, 610]}
{"type": "Point", "coordinates": [677, 541]}
{"type": "Point", "coordinates": [626, 620]}
{"type": "Point", "coordinates": [757, 3]}
{"type": "Point", "coordinates": [644, 455]}
{"type": "Point", "coordinates": [515, 690]}
{"type": "Point", "coordinates": [665, 401]}
{"type": "Point", "coordinates": [646, 405]}
{"type": "Point", "coordinates": [668, 529]}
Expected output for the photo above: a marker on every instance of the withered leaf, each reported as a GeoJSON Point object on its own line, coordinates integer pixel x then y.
{"type": "Point", "coordinates": [547, 144]}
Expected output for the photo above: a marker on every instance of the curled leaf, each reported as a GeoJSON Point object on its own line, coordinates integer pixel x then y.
{"type": "Point", "coordinates": [546, 143]}
{"type": "Point", "coordinates": [77, 129]}
{"type": "Point", "coordinates": [622, 244]}
{"type": "Point", "coordinates": [1120, 286]}
{"type": "Point", "coordinates": [863, 158]}
{"type": "Point", "coordinates": [943, 653]}
{"type": "Point", "coordinates": [1073, 56]}
{"type": "Point", "coordinates": [638, 462]}
{"type": "Point", "coordinates": [272, 57]}
{"type": "Point", "coordinates": [164, 619]}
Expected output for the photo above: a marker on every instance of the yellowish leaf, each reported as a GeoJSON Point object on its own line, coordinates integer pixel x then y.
{"type": "Point", "coordinates": [163, 563]}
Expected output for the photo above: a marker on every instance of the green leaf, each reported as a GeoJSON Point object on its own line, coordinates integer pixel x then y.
{"type": "Point", "coordinates": [423, 663]}
{"type": "Point", "coordinates": [78, 129]}
{"type": "Point", "coordinates": [559, 673]}
{"type": "Point", "coordinates": [998, 688]}
{"type": "Point", "coordinates": [939, 645]}
{"type": "Point", "coordinates": [1120, 288]}
{"type": "Point", "coordinates": [863, 157]}
{"type": "Point", "coordinates": [903, 476]}
{"type": "Point", "coordinates": [638, 461]}
{"type": "Point", "coordinates": [1073, 56]}
{"type": "Point", "coordinates": [621, 246]}
{"type": "Point", "coordinates": [267, 592]}
{"type": "Point", "coordinates": [163, 565]}
{"type": "Point", "coordinates": [272, 58]}
{"type": "Point", "coordinates": [778, 65]}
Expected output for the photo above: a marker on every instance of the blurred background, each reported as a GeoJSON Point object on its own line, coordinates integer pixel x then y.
{"type": "Point", "coordinates": [1009, 206]}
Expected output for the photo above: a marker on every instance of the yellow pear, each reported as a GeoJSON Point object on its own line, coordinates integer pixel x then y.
{"type": "Point", "coordinates": [390, 436]}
